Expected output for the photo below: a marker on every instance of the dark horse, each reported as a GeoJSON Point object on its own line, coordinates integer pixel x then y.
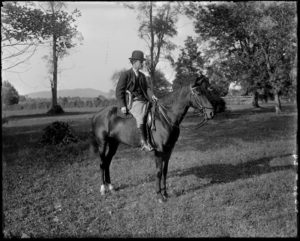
{"type": "Point", "coordinates": [109, 129]}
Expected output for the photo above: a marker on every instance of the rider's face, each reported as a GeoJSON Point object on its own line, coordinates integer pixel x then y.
{"type": "Point", "coordinates": [138, 64]}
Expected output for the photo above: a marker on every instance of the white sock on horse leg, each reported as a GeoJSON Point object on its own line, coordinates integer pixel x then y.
{"type": "Point", "coordinates": [102, 189]}
{"type": "Point", "coordinates": [110, 187]}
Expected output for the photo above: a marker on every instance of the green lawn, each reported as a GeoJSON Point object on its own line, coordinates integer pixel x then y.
{"type": "Point", "coordinates": [234, 177]}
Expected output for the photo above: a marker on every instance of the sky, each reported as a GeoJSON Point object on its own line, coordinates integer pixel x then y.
{"type": "Point", "coordinates": [110, 33]}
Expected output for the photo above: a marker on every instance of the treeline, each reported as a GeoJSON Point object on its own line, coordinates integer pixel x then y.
{"type": "Point", "coordinates": [65, 102]}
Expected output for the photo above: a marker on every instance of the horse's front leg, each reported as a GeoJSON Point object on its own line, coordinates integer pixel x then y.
{"type": "Point", "coordinates": [165, 163]}
{"type": "Point", "coordinates": [159, 170]}
{"type": "Point", "coordinates": [158, 162]}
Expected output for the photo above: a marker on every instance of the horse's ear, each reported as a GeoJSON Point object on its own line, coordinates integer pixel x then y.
{"type": "Point", "coordinates": [193, 84]}
{"type": "Point", "coordinates": [203, 81]}
{"type": "Point", "coordinates": [197, 82]}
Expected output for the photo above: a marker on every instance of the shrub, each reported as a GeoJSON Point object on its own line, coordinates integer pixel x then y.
{"type": "Point", "coordinates": [58, 133]}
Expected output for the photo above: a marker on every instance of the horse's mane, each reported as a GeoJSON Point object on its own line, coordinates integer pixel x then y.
{"type": "Point", "coordinates": [168, 99]}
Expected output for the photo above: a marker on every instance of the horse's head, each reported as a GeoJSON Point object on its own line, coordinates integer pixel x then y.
{"type": "Point", "coordinates": [198, 97]}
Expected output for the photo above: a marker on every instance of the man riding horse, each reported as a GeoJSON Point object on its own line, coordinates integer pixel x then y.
{"type": "Point", "coordinates": [135, 82]}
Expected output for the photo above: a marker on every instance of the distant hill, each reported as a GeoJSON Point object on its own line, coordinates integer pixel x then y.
{"type": "Point", "coordinates": [84, 93]}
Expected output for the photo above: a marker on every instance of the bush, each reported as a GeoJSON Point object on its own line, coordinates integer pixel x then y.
{"type": "Point", "coordinates": [58, 133]}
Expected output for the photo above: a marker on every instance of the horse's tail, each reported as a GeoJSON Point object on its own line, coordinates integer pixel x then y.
{"type": "Point", "coordinates": [100, 120]}
{"type": "Point", "coordinates": [93, 144]}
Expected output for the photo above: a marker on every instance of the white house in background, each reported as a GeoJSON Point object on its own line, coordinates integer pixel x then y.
{"type": "Point", "coordinates": [234, 86]}
{"type": "Point", "coordinates": [235, 89]}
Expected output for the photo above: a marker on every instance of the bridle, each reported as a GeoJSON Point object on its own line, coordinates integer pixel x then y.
{"type": "Point", "coordinates": [201, 109]}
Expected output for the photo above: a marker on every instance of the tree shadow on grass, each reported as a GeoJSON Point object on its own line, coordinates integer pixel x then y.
{"type": "Point", "coordinates": [226, 173]}
{"type": "Point", "coordinates": [227, 133]}
{"type": "Point", "coordinates": [42, 115]}
{"type": "Point", "coordinates": [237, 114]}
{"type": "Point", "coordinates": [220, 173]}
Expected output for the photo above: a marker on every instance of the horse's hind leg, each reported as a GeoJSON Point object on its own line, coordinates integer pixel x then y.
{"type": "Point", "coordinates": [112, 149]}
{"type": "Point", "coordinates": [102, 152]}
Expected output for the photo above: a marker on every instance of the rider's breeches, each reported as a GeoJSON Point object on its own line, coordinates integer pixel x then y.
{"type": "Point", "coordinates": [138, 110]}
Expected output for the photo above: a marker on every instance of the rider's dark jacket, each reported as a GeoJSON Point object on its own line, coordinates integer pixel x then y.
{"type": "Point", "coordinates": [138, 86]}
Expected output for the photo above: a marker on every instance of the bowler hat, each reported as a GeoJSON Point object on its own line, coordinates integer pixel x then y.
{"type": "Point", "coordinates": [137, 55]}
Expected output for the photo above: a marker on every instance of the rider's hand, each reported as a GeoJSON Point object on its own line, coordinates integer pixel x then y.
{"type": "Point", "coordinates": [154, 98]}
{"type": "Point", "coordinates": [124, 110]}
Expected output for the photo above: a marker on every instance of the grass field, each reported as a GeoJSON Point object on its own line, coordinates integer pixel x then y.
{"type": "Point", "coordinates": [234, 177]}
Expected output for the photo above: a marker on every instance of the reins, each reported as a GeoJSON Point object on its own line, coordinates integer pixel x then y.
{"type": "Point", "coordinates": [201, 107]}
{"type": "Point", "coordinates": [199, 124]}
{"type": "Point", "coordinates": [195, 95]}
{"type": "Point", "coordinates": [161, 108]}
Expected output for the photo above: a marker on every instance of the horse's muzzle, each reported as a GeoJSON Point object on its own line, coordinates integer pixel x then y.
{"type": "Point", "coordinates": [209, 114]}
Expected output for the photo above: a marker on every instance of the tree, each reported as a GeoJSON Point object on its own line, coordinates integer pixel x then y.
{"type": "Point", "coordinates": [188, 65]}
{"type": "Point", "coordinates": [22, 98]}
{"type": "Point", "coordinates": [218, 78]}
{"type": "Point", "coordinates": [258, 40]}
{"type": "Point", "coordinates": [98, 101]}
{"type": "Point", "coordinates": [160, 80]}
{"type": "Point", "coordinates": [20, 33]}
{"type": "Point", "coordinates": [9, 94]}
{"type": "Point", "coordinates": [225, 27]}
{"type": "Point", "coordinates": [157, 25]}
{"type": "Point", "coordinates": [64, 101]}
{"type": "Point", "coordinates": [35, 24]}
{"type": "Point", "coordinates": [277, 37]}
{"type": "Point", "coordinates": [60, 27]}
{"type": "Point", "coordinates": [160, 84]}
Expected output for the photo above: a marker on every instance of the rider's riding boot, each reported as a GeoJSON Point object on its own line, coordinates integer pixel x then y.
{"type": "Point", "coordinates": [144, 144]}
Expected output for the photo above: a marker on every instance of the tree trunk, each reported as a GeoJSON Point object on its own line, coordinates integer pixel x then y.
{"type": "Point", "coordinates": [152, 69]}
{"type": "Point", "coordinates": [55, 108]}
{"type": "Point", "coordinates": [278, 108]}
{"type": "Point", "coordinates": [255, 100]}
{"type": "Point", "coordinates": [54, 87]}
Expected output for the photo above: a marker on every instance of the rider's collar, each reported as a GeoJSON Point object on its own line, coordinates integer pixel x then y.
{"type": "Point", "coordinates": [136, 72]}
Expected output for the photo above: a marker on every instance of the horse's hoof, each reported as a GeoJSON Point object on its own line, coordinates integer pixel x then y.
{"type": "Point", "coordinates": [111, 188]}
{"type": "Point", "coordinates": [161, 198]}
{"type": "Point", "coordinates": [165, 195]}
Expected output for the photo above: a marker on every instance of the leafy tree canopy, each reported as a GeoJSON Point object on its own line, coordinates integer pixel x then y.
{"type": "Point", "coordinates": [189, 64]}
{"type": "Point", "coordinates": [157, 26]}
{"type": "Point", "coordinates": [255, 41]}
